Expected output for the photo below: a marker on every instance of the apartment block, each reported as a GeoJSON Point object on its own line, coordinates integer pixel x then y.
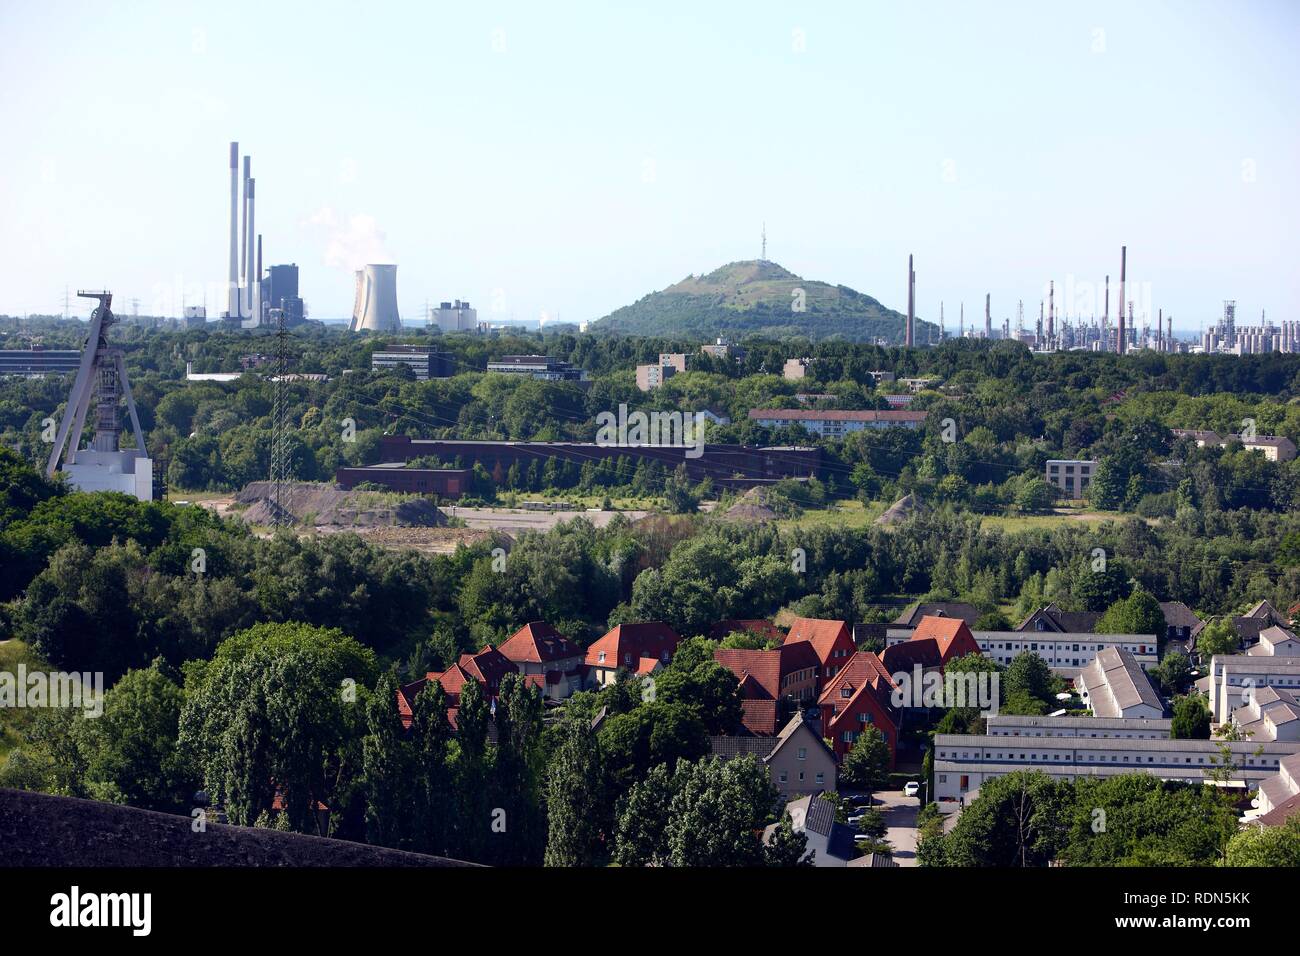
{"type": "Point", "coordinates": [1065, 654]}
{"type": "Point", "coordinates": [835, 423]}
{"type": "Point", "coordinates": [1138, 728]}
{"type": "Point", "coordinates": [1071, 476]}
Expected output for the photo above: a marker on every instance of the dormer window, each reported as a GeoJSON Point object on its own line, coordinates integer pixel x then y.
{"type": "Point", "coordinates": [602, 657]}
{"type": "Point", "coordinates": [846, 692]}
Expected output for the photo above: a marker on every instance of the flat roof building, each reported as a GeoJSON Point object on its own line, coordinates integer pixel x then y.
{"type": "Point", "coordinates": [1071, 476]}
{"type": "Point", "coordinates": [835, 423]}
{"type": "Point", "coordinates": [538, 366]}
{"type": "Point", "coordinates": [424, 362]}
{"type": "Point", "coordinates": [39, 362]}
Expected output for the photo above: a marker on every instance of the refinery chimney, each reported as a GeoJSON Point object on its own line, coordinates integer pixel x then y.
{"type": "Point", "coordinates": [252, 238]}
{"type": "Point", "coordinates": [988, 318]}
{"type": "Point", "coordinates": [1123, 273]}
{"type": "Point", "coordinates": [1051, 313]}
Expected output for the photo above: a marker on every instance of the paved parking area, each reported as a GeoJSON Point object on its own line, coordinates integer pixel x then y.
{"type": "Point", "coordinates": [900, 820]}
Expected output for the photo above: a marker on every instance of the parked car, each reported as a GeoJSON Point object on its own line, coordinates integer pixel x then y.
{"type": "Point", "coordinates": [911, 789]}
{"type": "Point", "coordinates": [857, 799]}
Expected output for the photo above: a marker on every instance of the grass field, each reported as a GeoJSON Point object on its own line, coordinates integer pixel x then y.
{"type": "Point", "coordinates": [841, 514]}
{"type": "Point", "coordinates": [1028, 522]}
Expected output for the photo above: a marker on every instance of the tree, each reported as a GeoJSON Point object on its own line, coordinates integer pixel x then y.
{"type": "Point", "coordinates": [1139, 613]}
{"type": "Point", "coordinates": [710, 689]}
{"type": "Point", "coordinates": [1174, 673]}
{"type": "Point", "coordinates": [574, 797]}
{"type": "Point", "coordinates": [1015, 821]}
{"type": "Point", "coordinates": [386, 769]}
{"type": "Point", "coordinates": [1191, 719]}
{"type": "Point", "coordinates": [718, 812]}
{"type": "Point", "coordinates": [1029, 674]}
{"type": "Point", "coordinates": [1098, 590]}
{"type": "Point", "coordinates": [787, 847]}
{"type": "Point", "coordinates": [1266, 846]}
{"type": "Point", "coordinates": [434, 784]}
{"type": "Point", "coordinates": [866, 765]}
{"type": "Point", "coordinates": [1217, 637]}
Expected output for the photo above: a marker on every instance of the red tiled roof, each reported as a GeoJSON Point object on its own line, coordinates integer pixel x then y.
{"type": "Point", "coordinates": [947, 632]}
{"type": "Point", "coordinates": [538, 643]}
{"type": "Point", "coordinates": [487, 667]}
{"type": "Point", "coordinates": [759, 717]}
{"type": "Point", "coordinates": [822, 634]}
{"type": "Point", "coordinates": [766, 668]}
{"type": "Point", "coordinates": [812, 414]}
{"type": "Point", "coordinates": [864, 669]}
{"type": "Point", "coordinates": [628, 643]}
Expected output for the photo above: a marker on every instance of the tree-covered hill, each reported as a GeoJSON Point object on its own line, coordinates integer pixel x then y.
{"type": "Point", "coordinates": [758, 297]}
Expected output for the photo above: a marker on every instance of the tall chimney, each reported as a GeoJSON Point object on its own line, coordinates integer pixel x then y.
{"type": "Point", "coordinates": [911, 302]}
{"type": "Point", "coordinates": [257, 284]}
{"type": "Point", "coordinates": [988, 318]}
{"type": "Point", "coordinates": [243, 239]}
{"type": "Point", "coordinates": [232, 293]}
{"type": "Point", "coordinates": [1105, 320]}
{"type": "Point", "coordinates": [1121, 345]}
{"type": "Point", "coordinates": [248, 303]}
{"type": "Point", "coordinates": [1051, 313]}
{"type": "Point", "coordinates": [1160, 330]}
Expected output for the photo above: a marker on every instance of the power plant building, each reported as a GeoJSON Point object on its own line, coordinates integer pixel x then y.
{"type": "Point", "coordinates": [457, 317]}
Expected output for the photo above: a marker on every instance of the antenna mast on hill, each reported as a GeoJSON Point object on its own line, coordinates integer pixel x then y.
{"type": "Point", "coordinates": [764, 257]}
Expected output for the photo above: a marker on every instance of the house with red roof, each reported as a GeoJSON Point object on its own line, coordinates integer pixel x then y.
{"type": "Point", "coordinates": [547, 659]}
{"type": "Point", "coordinates": [487, 667]}
{"type": "Point", "coordinates": [756, 626]}
{"type": "Point", "coordinates": [774, 684]}
{"type": "Point", "coordinates": [934, 642]}
{"type": "Point", "coordinates": [625, 647]}
{"type": "Point", "coordinates": [831, 640]}
{"type": "Point", "coordinates": [858, 697]}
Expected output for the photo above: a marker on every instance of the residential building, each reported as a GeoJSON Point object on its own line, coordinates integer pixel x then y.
{"type": "Point", "coordinates": [650, 377]}
{"type": "Point", "coordinates": [674, 360]}
{"type": "Point", "coordinates": [423, 361]}
{"type": "Point", "coordinates": [831, 640]}
{"type": "Point", "coordinates": [1259, 618]}
{"type": "Point", "coordinates": [797, 758]}
{"type": "Point", "coordinates": [1272, 447]}
{"type": "Point", "coordinates": [773, 684]}
{"type": "Point", "coordinates": [1140, 728]}
{"type": "Point", "coordinates": [835, 423]}
{"type": "Point", "coordinates": [858, 697]}
{"type": "Point", "coordinates": [1275, 641]}
{"type": "Point", "coordinates": [1181, 626]}
{"type": "Point", "coordinates": [1114, 685]}
{"type": "Point", "coordinates": [1065, 653]}
{"type": "Point", "coordinates": [920, 384]}
{"type": "Point", "coordinates": [724, 349]}
{"type": "Point", "coordinates": [880, 376]}
{"type": "Point", "coordinates": [1234, 677]}
{"type": "Point", "coordinates": [1071, 476]}
{"type": "Point", "coordinates": [1270, 713]}
{"type": "Point", "coordinates": [1279, 795]}
{"type": "Point", "coordinates": [1053, 618]}
{"type": "Point", "coordinates": [959, 610]}
{"type": "Point", "coordinates": [900, 401]}
{"type": "Point", "coordinates": [538, 366]}
{"type": "Point", "coordinates": [487, 667]}
{"type": "Point", "coordinates": [932, 644]}
{"type": "Point", "coordinates": [547, 659]}
{"type": "Point", "coordinates": [631, 647]}
{"type": "Point", "coordinates": [830, 843]}
{"type": "Point", "coordinates": [963, 762]}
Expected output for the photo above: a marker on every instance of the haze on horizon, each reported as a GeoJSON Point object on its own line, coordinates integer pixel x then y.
{"type": "Point", "coordinates": [573, 158]}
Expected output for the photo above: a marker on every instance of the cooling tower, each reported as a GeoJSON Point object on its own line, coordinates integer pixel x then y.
{"type": "Point", "coordinates": [375, 307]}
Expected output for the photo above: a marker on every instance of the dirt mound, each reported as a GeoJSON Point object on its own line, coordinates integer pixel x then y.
{"type": "Point", "coordinates": [37, 829]}
{"type": "Point", "coordinates": [325, 505]}
{"type": "Point", "coordinates": [752, 506]}
{"type": "Point", "coordinates": [899, 511]}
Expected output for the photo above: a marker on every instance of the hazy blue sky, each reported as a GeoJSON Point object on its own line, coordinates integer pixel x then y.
{"type": "Point", "coordinates": [571, 157]}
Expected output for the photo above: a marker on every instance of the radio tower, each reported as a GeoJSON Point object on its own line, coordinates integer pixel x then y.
{"type": "Point", "coordinates": [764, 257]}
{"type": "Point", "coordinates": [280, 422]}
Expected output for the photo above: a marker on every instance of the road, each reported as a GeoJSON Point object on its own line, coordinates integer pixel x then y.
{"type": "Point", "coordinates": [900, 820]}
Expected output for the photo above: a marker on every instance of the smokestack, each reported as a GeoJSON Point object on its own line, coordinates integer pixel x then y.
{"type": "Point", "coordinates": [243, 239]}
{"type": "Point", "coordinates": [1123, 274]}
{"type": "Point", "coordinates": [1105, 319]}
{"type": "Point", "coordinates": [257, 284]}
{"type": "Point", "coordinates": [249, 279]}
{"type": "Point", "coordinates": [988, 319]}
{"type": "Point", "coordinates": [1051, 311]}
{"type": "Point", "coordinates": [911, 302]}
{"type": "Point", "coordinates": [232, 294]}
{"type": "Point", "coordinates": [1169, 333]}
{"type": "Point", "coordinates": [1160, 330]}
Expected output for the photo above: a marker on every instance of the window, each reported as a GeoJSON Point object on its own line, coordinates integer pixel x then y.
{"type": "Point", "coordinates": [821, 779]}
{"type": "Point", "coordinates": [602, 657]}
{"type": "Point", "coordinates": [784, 776]}
{"type": "Point", "coordinates": [803, 753]}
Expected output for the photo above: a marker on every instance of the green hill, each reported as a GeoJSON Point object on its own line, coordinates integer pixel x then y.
{"type": "Point", "coordinates": [757, 298]}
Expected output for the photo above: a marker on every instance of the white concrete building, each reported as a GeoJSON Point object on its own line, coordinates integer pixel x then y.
{"type": "Point", "coordinates": [1279, 795]}
{"type": "Point", "coordinates": [1071, 476]}
{"type": "Point", "coordinates": [1269, 713]}
{"type": "Point", "coordinates": [1066, 654]}
{"type": "Point", "coordinates": [1140, 728]}
{"type": "Point", "coordinates": [1234, 677]}
{"type": "Point", "coordinates": [1115, 685]}
{"type": "Point", "coordinates": [963, 762]}
{"type": "Point", "coordinates": [835, 423]}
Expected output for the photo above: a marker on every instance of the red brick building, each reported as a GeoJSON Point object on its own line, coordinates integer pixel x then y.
{"type": "Point", "coordinates": [487, 667]}
{"type": "Point", "coordinates": [856, 698]}
{"type": "Point", "coordinates": [831, 640]}
{"type": "Point", "coordinates": [772, 683]}
{"type": "Point", "coordinates": [624, 647]}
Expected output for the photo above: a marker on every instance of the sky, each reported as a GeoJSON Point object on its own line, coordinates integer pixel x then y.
{"type": "Point", "coordinates": [565, 159]}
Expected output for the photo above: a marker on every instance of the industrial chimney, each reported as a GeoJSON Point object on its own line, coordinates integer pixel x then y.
{"type": "Point", "coordinates": [232, 296]}
{"type": "Point", "coordinates": [988, 317]}
{"type": "Point", "coordinates": [911, 302]}
{"type": "Point", "coordinates": [1120, 345]}
{"type": "Point", "coordinates": [252, 239]}
{"type": "Point", "coordinates": [376, 302]}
